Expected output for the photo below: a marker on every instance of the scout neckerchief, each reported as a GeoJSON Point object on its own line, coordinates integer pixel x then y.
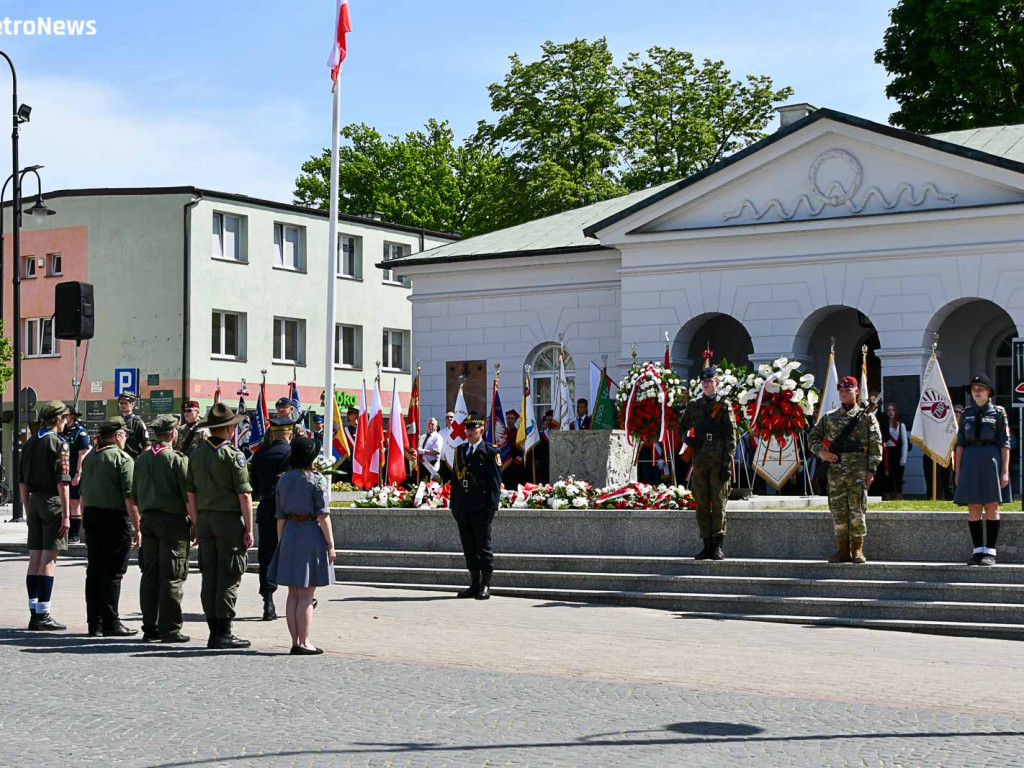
{"type": "Point", "coordinates": [106, 447]}
{"type": "Point", "coordinates": [218, 446]}
{"type": "Point", "coordinates": [158, 448]}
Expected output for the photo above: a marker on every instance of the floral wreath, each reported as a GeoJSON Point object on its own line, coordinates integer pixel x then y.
{"type": "Point", "coordinates": [777, 404]}
{"type": "Point", "coordinates": [650, 399]}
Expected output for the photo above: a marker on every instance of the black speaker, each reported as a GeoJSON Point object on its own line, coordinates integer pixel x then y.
{"type": "Point", "coordinates": [73, 311]}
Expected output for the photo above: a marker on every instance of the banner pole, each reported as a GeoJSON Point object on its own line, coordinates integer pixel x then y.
{"type": "Point", "coordinates": [934, 480]}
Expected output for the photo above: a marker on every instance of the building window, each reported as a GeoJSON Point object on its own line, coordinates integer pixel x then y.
{"type": "Point", "coordinates": [228, 339]}
{"type": "Point", "coordinates": [29, 272]}
{"type": "Point", "coordinates": [39, 341]}
{"type": "Point", "coordinates": [289, 340]}
{"type": "Point", "coordinates": [396, 350]}
{"type": "Point", "coordinates": [544, 379]}
{"type": "Point", "coordinates": [55, 265]}
{"type": "Point", "coordinates": [350, 256]}
{"type": "Point", "coordinates": [394, 251]}
{"type": "Point", "coordinates": [227, 237]}
{"type": "Point", "coordinates": [348, 346]}
{"type": "Point", "coordinates": [288, 247]}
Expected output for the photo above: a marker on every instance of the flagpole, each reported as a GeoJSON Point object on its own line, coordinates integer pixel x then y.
{"type": "Point", "coordinates": [332, 266]}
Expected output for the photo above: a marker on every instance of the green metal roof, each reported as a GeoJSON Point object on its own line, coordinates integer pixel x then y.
{"type": "Point", "coordinates": [1002, 140]}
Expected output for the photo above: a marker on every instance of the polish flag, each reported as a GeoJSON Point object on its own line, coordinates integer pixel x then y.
{"type": "Point", "coordinates": [358, 476]}
{"type": "Point", "coordinates": [396, 440]}
{"type": "Point", "coordinates": [374, 440]}
{"type": "Point", "coordinates": [342, 25]}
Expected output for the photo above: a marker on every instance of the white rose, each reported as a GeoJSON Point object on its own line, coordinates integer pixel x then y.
{"type": "Point", "coordinates": [758, 382]}
{"type": "Point", "coordinates": [812, 397]}
{"type": "Point", "coordinates": [789, 384]}
{"type": "Point", "coordinates": [579, 503]}
{"type": "Point", "coordinates": [807, 380]}
{"type": "Point", "coordinates": [764, 369]}
{"type": "Point", "coordinates": [807, 408]}
{"type": "Point", "coordinates": [798, 395]}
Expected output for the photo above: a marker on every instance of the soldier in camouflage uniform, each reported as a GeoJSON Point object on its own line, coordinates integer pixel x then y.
{"type": "Point", "coordinates": [190, 435]}
{"type": "Point", "coordinates": [714, 445]}
{"type": "Point", "coordinates": [849, 440]}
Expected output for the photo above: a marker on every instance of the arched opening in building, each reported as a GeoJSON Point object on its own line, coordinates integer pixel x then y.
{"type": "Point", "coordinates": [543, 362]}
{"type": "Point", "coordinates": [725, 335]}
{"type": "Point", "coordinates": [849, 330]}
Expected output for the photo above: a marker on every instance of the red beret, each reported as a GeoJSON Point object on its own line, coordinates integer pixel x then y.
{"type": "Point", "coordinates": [191, 404]}
{"type": "Point", "coordinates": [848, 382]}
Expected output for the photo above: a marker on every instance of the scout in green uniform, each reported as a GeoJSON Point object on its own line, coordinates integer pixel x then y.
{"type": "Point", "coordinates": [43, 478]}
{"type": "Point", "coordinates": [849, 441]}
{"type": "Point", "coordinates": [111, 524]}
{"type": "Point", "coordinates": [220, 505]}
{"type": "Point", "coordinates": [190, 435]}
{"type": "Point", "coordinates": [161, 493]}
{"type": "Point", "coordinates": [714, 446]}
{"type": "Point", "coordinates": [138, 437]}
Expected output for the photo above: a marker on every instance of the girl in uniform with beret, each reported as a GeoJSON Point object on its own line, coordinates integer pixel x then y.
{"type": "Point", "coordinates": [983, 468]}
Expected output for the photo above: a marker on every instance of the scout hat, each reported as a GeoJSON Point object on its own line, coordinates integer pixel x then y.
{"type": "Point", "coordinates": [221, 415]}
{"type": "Point", "coordinates": [51, 410]}
{"type": "Point", "coordinates": [848, 382]}
{"type": "Point", "coordinates": [131, 397]}
{"type": "Point", "coordinates": [475, 421]}
{"type": "Point", "coordinates": [984, 381]}
{"type": "Point", "coordinates": [303, 453]}
{"type": "Point", "coordinates": [708, 373]}
{"type": "Point", "coordinates": [110, 426]}
{"type": "Point", "coordinates": [164, 425]}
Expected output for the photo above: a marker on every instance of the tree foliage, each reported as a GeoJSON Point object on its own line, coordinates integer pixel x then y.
{"type": "Point", "coordinates": [6, 356]}
{"type": "Point", "coordinates": [955, 64]}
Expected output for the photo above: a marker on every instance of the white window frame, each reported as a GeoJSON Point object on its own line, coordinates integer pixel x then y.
{"type": "Point", "coordinates": [357, 257]}
{"type": "Point", "coordinates": [281, 326]}
{"type": "Point", "coordinates": [357, 346]}
{"type": "Point", "coordinates": [281, 231]}
{"type": "Point", "coordinates": [54, 265]}
{"type": "Point", "coordinates": [222, 340]}
{"type": "Point", "coordinates": [34, 334]}
{"type": "Point", "coordinates": [29, 268]}
{"type": "Point", "coordinates": [541, 371]}
{"type": "Point", "coordinates": [394, 251]}
{"type": "Point", "coordinates": [387, 363]}
{"type": "Point", "coordinates": [217, 233]}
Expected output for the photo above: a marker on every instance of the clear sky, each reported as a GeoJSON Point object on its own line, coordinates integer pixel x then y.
{"type": "Point", "coordinates": [234, 95]}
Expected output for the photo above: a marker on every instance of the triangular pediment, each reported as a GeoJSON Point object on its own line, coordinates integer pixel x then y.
{"type": "Point", "coordinates": [828, 170]}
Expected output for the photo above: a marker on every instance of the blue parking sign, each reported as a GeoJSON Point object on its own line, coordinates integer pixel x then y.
{"type": "Point", "coordinates": [126, 380]}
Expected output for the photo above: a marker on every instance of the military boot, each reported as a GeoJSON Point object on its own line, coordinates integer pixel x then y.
{"type": "Point", "coordinates": [225, 639]}
{"type": "Point", "coordinates": [484, 593]}
{"type": "Point", "coordinates": [45, 623]}
{"type": "Point", "coordinates": [842, 554]}
{"type": "Point", "coordinates": [214, 631]}
{"type": "Point", "coordinates": [857, 550]}
{"type": "Point", "coordinates": [269, 611]}
{"type": "Point", "coordinates": [716, 547]}
{"type": "Point", "coordinates": [473, 588]}
{"type": "Point", "coordinates": [705, 553]}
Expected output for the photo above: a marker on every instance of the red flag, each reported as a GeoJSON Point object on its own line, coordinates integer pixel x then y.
{"type": "Point", "coordinates": [396, 440]}
{"type": "Point", "coordinates": [373, 441]}
{"type": "Point", "coordinates": [412, 421]}
{"type": "Point", "coordinates": [668, 362]}
{"type": "Point", "coordinates": [342, 25]}
{"type": "Point", "coordinates": [359, 451]}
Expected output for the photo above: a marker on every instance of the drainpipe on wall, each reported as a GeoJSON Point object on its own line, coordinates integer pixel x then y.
{"type": "Point", "coordinates": [186, 230]}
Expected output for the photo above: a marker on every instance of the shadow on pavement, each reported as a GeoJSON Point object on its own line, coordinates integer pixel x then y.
{"type": "Point", "coordinates": [75, 643]}
{"type": "Point", "coordinates": [396, 599]}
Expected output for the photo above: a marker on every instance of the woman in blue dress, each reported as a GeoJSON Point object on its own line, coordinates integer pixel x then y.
{"type": "Point", "coordinates": [983, 468]}
{"type": "Point", "coordinates": [304, 559]}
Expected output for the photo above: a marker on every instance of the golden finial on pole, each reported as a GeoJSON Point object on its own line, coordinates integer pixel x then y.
{"type": "Point", "coordinates": [632, 348]}
{"type": "Point", "coordinates": [497, 371]}
{"type": "Point", "coordinates": [935, 342]}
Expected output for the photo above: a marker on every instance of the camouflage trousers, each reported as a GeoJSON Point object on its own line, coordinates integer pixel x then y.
{"type": "Point", "coordinates": [710, 494]}
{"type": "Point", "coordinates": [848, 501]}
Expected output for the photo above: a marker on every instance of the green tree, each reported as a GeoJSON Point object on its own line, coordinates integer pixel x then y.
{"type": "Point", "coordinates": [680, 118]}
{"type": "Point", "coordinates": [955, 64]}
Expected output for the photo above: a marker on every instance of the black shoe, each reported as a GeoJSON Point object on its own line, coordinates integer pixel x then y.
{"type": "Point", "coordinates": [975, 559]}
{"type": "Point", "coordinates": [214, 631]}
{"type": "Point", "coordinates": [149, 636]}
{"type": "Point", "coordinates": [224, 639]}
{"type": "Point", "coordinates": [269, 611]}
{"type": "Point", "coordinates": [298, 650]}
{"type": "Point", "coordinates": [484, 592]}
{"type": "Point", "coordinates": [95, 631]}
{"type": "Point", "coordinates": [119, 630]}
{"type": "Point", "coordinates": [175, 637]}
{"type": "Point", "coordinates": [45, 623]}
{"type": "Point", "coordinates": [716, 548]}
{"type": "Point", "coordinates": [473, 588]}
{"type": "Point", "coordinates": [987, 560]}
{"type": "Point", "coordinates": [705, 553]}
{"type": "Point", "coordinates": [314, 603]}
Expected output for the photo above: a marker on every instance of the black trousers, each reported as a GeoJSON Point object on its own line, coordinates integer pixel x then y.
{"type": "Point", "coordinates": [108, 538]}
{"type": "Point", "coordinates": [475, 535]}
{"type": "Point", "coordinates": [266, 525]}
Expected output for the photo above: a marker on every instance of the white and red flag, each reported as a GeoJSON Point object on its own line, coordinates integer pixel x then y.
{"type": "Point", "coordinates": [374, 440]}
{"type": "Point", "coordinates": [396, 439]}
{"type": "Point", "coordinates": [342, 26]}
{"type": "Point", "coordinates": [455, 436]}
{"type": "Point", "coordinates": [359, 449]}
{"type": "Point", "coordinates": [934, 430]}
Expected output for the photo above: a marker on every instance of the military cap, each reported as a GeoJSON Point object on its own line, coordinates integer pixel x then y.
{"type": "Point", "coordinates": [75, 412]}
{"type": "Point", "coordinates": [708, 373]}
{"type": "Point", "coordinates": [284, 422]}
{"type": "Point", "coordinates": [303, 453]}
{"type": "Point", "coordinates": [475, 421]}
{"type": "Point", "coordinates": [190, 404]}
{"type": "Point", "coordinates": [318, 419]}
{"type": "Point", "coordinates": [131, 397]}
{"type": "Point", "coordinates": [52, 409]}
{"type": "Point", "coordinates": [221, 415]}
{"type": "Point", "coordinates": [283, 401]}
{"type": "Point", "coordinates": [984, 381]}
{"type": "Point", "coordinates": [848, 382]}
{"type": "Point", "coordinates": [163, 425]}
{"type": "Point", "coordinates": [112, 425]}
{"type": "Point", "coordinates": [353, 411]}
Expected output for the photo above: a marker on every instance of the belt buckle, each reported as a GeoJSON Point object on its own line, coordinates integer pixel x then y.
{"type": "Point", "coordinates": [465, 484]}
{"type": "Point", "coordinates": [709, 437]}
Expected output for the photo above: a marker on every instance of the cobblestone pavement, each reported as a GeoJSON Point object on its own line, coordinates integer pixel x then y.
{"type": "Point", "coordinates": [435, 682]}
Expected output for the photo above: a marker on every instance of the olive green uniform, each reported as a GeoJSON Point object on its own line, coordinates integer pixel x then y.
{"type": "Point", "coordinates": [217, 474]}
{"type": "Point", "coordinates": [858, 454]}
{"type": "Point", "coordinates": [45, 462]}
{"type": "Point", "coordinates": [138, 435]}
{"type": "Point", "coordinates": [714, 445]}
{"type": "Point", "coordinates": [190, 437]}
{"type": "Point", "coordinates": [162, 497]}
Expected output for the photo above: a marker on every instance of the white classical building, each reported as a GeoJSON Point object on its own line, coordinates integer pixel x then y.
{"type": "Point", "coordinates": [833, 227]}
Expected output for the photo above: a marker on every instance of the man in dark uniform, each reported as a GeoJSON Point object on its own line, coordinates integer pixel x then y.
{"type": "Point", "coordinates": [318, 433]}
{"type": "Point", "coordinates": [475, 492]}
{"type": "Point", "coordinates": [220, 505]}
{"type": "Point", "coordinates": [111, 524]}
{"type": "Point", "coordinates": [714, 445]}
{"type": "Point", "coordinates": [43, 480]}
{"type": "Point", "coordinates": [79, 445]}
{"type": "Point", "coordinates": [351, 427]}
{"type": "Point", "coordinates": [138, 437]}
{"type": "Point", "coordinates": [159, 485]}
{"type": "Point", "coordinates": [190, 434]}
{"type": "Point", "coordinates": [286, 408]}
{"type": "Point", "coordinates": [266, 467]}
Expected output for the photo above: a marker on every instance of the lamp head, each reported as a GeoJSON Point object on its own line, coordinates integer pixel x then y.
{"type": "Point", "coordinates": [39, 211]}
{"type": "Point", "coordinates": [24, 113]}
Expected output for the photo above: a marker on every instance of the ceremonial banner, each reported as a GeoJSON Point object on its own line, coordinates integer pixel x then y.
{"type": "Point", "coordinates": [396, 439]}
{"type": "Point", "coordinates": [528, 435]}
{"type": "Point", "coordinates": [934, 430]}
{"type": "Point", "coordinates": [563, 402]}
{"type": "Point", "coordinates": [776, 463]}
{"type": "Point", "coordinates": [455, 436]}
{"type": "Point", "coordinates": [497, 434]}
{"type": "Point", "coordinates": [830, 391]}
{"type": "Point", "coordinates": [604, 410]}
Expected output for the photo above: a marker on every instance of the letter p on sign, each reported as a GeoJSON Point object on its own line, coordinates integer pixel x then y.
{"type": "Point", "coordinates": [126, 380]}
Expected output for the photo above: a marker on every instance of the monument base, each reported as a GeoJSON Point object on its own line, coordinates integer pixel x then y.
{"type": "Point", "coordinates": [601, 457]}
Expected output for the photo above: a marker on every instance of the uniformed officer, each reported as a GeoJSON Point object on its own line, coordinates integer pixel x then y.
{"type": "Point", "coordinates": [190, 434]}
{"type": "Point", "coordinates": [138, 437]}
{"type": "Point", "coordinates": [43, 480]}
{"type": "Point", "coordinates": [475, 492]}
{"type": "Point", "coordinates": [220, 505]}
{"type": "Point", "coordinates": [714, 446]}
{"type": "Point", "coordinates": [983, 467]}
{"type": "Point", "coordinates": [162, 497]}
{"type": "Point", "coordinates": [287, 408]}
{"type": "Point", "coordinates": [79, 445]}
{"type": "Point", "coordinates": [266, 467]}
{"type": "Point", "coordinates": [318, 433]}
{"type": "Point", "coordinates": [849, 440]}
{"type": "Point", "coordinates": [111, 523]}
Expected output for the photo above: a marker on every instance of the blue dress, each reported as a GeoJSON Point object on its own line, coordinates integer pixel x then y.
{"type": "Point", "coordinates": [301, 556]}
{"type": "Point", "coordinates": [983, 434]}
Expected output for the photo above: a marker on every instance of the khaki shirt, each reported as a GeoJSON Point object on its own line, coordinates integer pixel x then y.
{"type": "Point", "coordinates": [107, 477]}
{"type": "Point", "coordinates": [45, 461]}
{"type": "Point", "coordinates": [863, 450]}
{"type": "Point", "coordinates": [218, 475]}
{"type": "Point", "coordinates": [189, 438]}
{"type": "Point", "coordinates": [160, 480]}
